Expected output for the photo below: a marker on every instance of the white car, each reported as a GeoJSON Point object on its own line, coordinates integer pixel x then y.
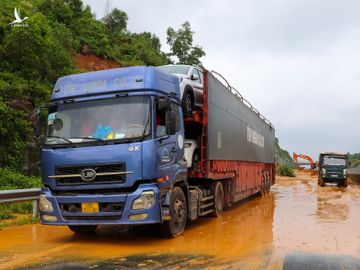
{"type": "Point", "coordinates": [191, 85]}
{"type": "Point", "coordinates": [192, 152]}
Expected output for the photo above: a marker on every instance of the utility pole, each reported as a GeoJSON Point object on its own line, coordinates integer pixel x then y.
{"type": "Point", "coordinates": [107, 8]}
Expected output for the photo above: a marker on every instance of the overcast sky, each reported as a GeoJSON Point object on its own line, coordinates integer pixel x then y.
{"type": "Point", "coordinates": [296, 61]}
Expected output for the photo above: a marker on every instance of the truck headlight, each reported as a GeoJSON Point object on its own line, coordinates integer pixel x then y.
{"type": "Point", "coordinates": [344, 171]}
{"type": "Point", "coordinates": [45, 204]}
{"type": "Point", "coordinates": [145, 201]}
{"type": "Point", "coordinates": [323, 171]}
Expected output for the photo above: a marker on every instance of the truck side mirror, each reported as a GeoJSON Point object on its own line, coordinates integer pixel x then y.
{"type": "Point", "coordinates": [194, 77]}
{"type": "Point", "coordinates": [163, 104]}
{"type": "Point", "coordinates": [170, 122]}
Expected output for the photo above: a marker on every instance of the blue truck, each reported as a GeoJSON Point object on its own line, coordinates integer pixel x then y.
{"type": "Point", "coordinates": [113, 152]}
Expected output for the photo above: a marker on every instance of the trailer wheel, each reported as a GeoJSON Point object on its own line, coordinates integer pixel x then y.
{"type": "Point", "coordinates": [178, 214]}
{"type": "Point", "coordinates": [268, 185]}
{"type": "Point", "coordinates": [218, 191]}
{"type": "Point", "coordinates": [86, 229]}
{"type": "Point", "coordinates": [264, 185]}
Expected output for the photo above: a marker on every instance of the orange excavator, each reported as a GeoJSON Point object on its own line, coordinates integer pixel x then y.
{"type": "Point", "coordinates": [300, 165]}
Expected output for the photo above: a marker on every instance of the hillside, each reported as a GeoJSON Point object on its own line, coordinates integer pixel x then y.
{"type": "Point", "coordinates": [282, 156]}
{"type": "Point", "coordinates": [59, 38]}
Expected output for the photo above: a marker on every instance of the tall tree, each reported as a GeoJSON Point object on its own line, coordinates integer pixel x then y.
{"type": "Point", "coordinates": [116, 20]}
{"type": "Point", "coordinates": [181, 45]}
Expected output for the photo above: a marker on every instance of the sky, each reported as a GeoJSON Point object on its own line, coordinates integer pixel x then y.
{"type": "Point", "coordinates": [297, 62]}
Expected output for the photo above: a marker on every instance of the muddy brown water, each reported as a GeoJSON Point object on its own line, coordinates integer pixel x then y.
{"type": "Point", "coordinates": [297, 226]}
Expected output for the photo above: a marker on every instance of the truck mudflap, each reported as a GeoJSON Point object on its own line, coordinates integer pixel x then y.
{"type": "Point", "coordinates": [102, 209]}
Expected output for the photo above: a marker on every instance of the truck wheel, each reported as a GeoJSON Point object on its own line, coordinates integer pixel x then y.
{"type": "Point", "coordinates": [188, 103]}
{"type": "Point", "coordinates": [87, 229]}
{"type": "Point", "coordinates": [322, 182]}
{"type": "Point", "coordinates": [263, 185]}
{"type": "Point", "coordinates": [218, 191]}
{"type": "Point", "coordinates": [178, 214]}
{"type": "Point", "coordinates": [345, 184]}
{"type": "Point", "coordinates": [268, 184]}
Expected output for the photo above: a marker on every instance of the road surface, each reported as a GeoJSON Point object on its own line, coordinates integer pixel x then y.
{"type": "Point", "coordinates": [297, 226]}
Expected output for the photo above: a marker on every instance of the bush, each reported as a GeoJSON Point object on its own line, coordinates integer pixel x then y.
{"type": "Point", "coordinates": [10, 179]}
{"type": "Point", "coordinates": [285, 170]}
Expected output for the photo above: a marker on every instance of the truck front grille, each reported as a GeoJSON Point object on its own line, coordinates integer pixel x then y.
{"type": "Point", "coordinates": [105, 174]}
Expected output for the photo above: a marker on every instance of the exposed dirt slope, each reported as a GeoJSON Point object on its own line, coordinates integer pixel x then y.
{"type": "Point", "coordinates": [92, 62]}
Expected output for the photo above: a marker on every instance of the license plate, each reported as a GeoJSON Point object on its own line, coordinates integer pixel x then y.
{"type": "Point", "coordinates": [334, 175]}
{"type": "Point", "coordinates": [90, 207]}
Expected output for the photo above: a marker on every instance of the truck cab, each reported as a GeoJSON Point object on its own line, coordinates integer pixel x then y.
{"type": "Point", "coordinates": [332, 168]}
{"type": "Point", "coordinates": [113, 151]}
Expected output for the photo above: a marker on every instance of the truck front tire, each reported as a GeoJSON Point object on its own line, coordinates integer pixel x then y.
{"type": "Point", "coordinates": [86, 229]}
{"type": "Point", "coordinates": [178, 214]}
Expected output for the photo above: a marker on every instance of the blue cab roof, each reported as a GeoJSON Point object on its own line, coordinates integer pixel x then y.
{"type": "Point", "coordinates": [138, 78]}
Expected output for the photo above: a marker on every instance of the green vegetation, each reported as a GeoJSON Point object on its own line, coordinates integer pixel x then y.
{"type": "Point", "coordinates": [181, 44]}
{"type": "Point", "coordinates": [284, 170]}
{"type": "Point", "coordinates": [284, 163]}
{"type": "Point", "coordinates": [282, 156]}
{"type": "Point", "coordinates": [33, 57]}
{"type": "Point", "coordinates": [10, 179]}
{"type": "Point", "coordinates": [354, 159]}
{"type": "Point", "coordinates": [19, 221]}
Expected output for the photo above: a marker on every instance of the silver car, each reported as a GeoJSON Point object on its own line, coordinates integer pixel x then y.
{"type": "Point", "coordinates": [191, 85]}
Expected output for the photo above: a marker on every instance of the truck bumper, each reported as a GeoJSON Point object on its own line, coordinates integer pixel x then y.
{"type": "Point", "coordinates": [333, 178]}
{"type": "Point", "coordinates": [113, 209]}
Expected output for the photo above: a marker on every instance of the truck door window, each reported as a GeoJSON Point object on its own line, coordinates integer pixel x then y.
{"type": "Point", "coordinates": [160, 123]}
{"type": "Point", "coordinates": [175, 108]}
{"type": "Point", "coordinates": [160, 120]}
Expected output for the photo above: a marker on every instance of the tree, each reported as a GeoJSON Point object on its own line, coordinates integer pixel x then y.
{"type": "Point", "coordinates": [116, 20]}
{"type": "Point", "coordinates": [181, 45]}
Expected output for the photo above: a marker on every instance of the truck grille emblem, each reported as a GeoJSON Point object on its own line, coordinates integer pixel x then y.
{"type": "Point", "coordinates": [88, 175]}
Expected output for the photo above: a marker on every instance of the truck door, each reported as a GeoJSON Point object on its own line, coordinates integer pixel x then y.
{"type": "Point", "coordinates": [170, 148]}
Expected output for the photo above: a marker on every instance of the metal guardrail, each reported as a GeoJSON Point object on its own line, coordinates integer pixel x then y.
{"type": "Point", "coordinates": [22, 195]}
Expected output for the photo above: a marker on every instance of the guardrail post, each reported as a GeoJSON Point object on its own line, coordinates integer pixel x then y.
{"type": "Point", "coordinates": [35, 208]}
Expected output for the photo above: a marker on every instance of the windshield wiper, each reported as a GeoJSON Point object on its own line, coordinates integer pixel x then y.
{"type": "Point", "coordinates": [88, 138]}
{"type": "Point", "coordinates": [61, 138]}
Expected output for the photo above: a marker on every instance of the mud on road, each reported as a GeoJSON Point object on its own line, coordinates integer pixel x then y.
{"type": "Point", "coordinates": [297, 226]}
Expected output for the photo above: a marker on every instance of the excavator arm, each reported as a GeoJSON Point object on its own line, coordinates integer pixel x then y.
{"type": "Point", "coordinates": [300, 165]}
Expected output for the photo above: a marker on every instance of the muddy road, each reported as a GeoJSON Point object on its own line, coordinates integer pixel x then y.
{"type": "Point", "coordinates": [297, 226]}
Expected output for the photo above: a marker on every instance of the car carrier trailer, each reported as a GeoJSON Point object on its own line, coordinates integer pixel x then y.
{"type": "Point", "coordinates": [113, 152]}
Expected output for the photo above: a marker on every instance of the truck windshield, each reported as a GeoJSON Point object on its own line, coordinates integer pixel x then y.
{"type": "Point", "coordinates": [126, 118]}
{"type": "Point", "coordinates": [334, 161]}
{"type": "Point", "coordinates": [175, 69]}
